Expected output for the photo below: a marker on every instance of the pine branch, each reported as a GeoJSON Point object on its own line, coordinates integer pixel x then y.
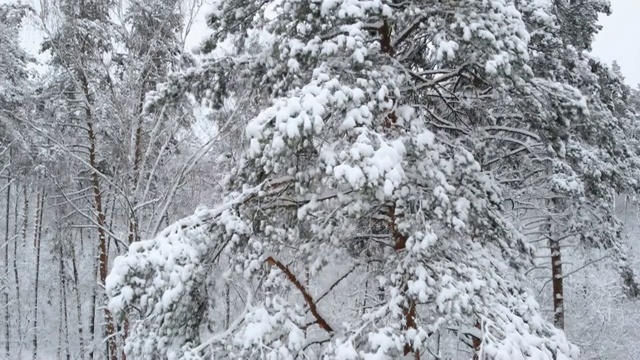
{"type": "Point", "coordinates": [305, 294]}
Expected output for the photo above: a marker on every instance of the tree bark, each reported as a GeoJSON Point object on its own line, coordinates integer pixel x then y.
{"type": "Point", "coordinates": [36, 239]}
{"type": "Point", "coordinates": [74, 264]}
{"type": "Point", "coordinates": [101, 219]}
{"type": "Point", "coordinates": [15, 272]}
{"type": "Point", "coordinates": [25, 224]}
{"type": "Point", "coordinates": [400, 243]}
{"type": "Point", "coordinates": [64, 320]}
{"type": "Point", "coordinates": [7, 317]}
{"type": "Point", "coordinates": [227, 305]}
{"type": "Point", "coordinates": [558, 283]}
{"type": "Point", "coordinates": [477, 343]}
{"type": "Point", "coordinates": [94, 299]}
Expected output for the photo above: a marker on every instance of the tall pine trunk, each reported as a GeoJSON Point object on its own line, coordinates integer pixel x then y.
{"type": "Point", "coordinates": [7, 317]}
{"type": "Point", "coordinates": [36, 239]}
{"type": "Point", "coordinates": [558, 283]}
{"type": "Point", "coordinates": [64, 320]}
{"type": "Point", "coordinates": [555, 254]}
{"type": "Point", "coordinates": [15, 271]}
{"type": "Point", "coordinates": [101, 220]}
{"type": "Point", "coordinates": [94, 300]}
{"type": "Point", "coordinates": [76, 291]}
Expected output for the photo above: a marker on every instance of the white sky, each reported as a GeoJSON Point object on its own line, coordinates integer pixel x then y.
{"type": "Point", "coordinates": [617, 41]}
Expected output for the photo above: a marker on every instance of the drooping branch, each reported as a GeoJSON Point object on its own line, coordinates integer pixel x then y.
{"type": "Point", "coordinates": [305, 294]}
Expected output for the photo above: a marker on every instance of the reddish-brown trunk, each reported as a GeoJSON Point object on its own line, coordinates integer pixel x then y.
{"type": "Point", "coordinates": [324, 325]}
{"type": "Point", "coordinates": [558, 283]}
{"type": "Point", "coordinates": [385, 38]}
{"type": "Point", "coordinates": [400, 243]}
{"type": "Point", "coordinates": [125, 334]}
{"type": "Point", "coordinates": [101, 219]}
{"type": "Point", "coordinates": [137, 153]}
{"type": "Point", "coordinates": [477, 343]}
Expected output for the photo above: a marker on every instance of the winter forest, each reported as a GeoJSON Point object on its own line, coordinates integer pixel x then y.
{"type": "Point", "coordinates": [317, 179]}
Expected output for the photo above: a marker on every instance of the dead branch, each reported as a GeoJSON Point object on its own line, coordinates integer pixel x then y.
{"type": "Point", "coordinates": [305, 294]}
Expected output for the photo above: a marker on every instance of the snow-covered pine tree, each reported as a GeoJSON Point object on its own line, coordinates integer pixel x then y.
{"type": "Point", "coordinates": [13, 71]}
{"type": "Point", "coordinates": [13, 91]}
{"type": "Point", "coordinates": [84, 33]}
{"type": "Point", "coordinates": [357, 132]}
{"type": "Point", "coordinates": [590, 153]}
{"type": "Point", "coordinates": [105, 58]}
{"type": "Point", "coordinates": [151, 48]}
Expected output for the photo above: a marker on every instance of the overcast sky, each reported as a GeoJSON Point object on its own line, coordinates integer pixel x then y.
{"type": "Point", "coordinates": [620, 38]}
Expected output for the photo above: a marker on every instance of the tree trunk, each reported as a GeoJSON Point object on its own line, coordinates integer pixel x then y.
{"type": "Point", "coordinates": [25, 223]}
{"type": "Point", "coordinates": [101, 219]}
{"type": "Point", "coordinates": [558, 283]}
{"type": "Point", "coordinates": [366, 289]}
{"type": "Point", "coordinates": [400, 243]}
{"type": "Point", "coordinates": [94, 299]}
{"type": "Point", "coordinates": [60, 330]}
{"type": "Point", "coordinates": [132, 229]}
{"type": "Point", "coordinates": [227, 305]}
{"type": "Point", "coordinates": [64, 320]}
{"type": "Point", "coordinates": [36, 240]}
{"type": "Point", "coordinates": [15, 273]}
{"type": "Point", "coordinates": [477, 343]}
{"type": "Point", "coordinates": [7, 317]}
{"type": "Point", "coordinates": [125, 334]}
{"type": "Point", "coordinates": [78, 302]}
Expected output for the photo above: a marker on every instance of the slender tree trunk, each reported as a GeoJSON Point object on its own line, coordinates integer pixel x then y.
{"type": "Point", "coordinates": [7, 317]}
{"type": "Point", "coordinates": [63, 305]}
{"type": "Point", "coordinates": [400, 243]}
{"type": "Point", "coordinates": [131, 236]}
{"type": "Point", "coordinates": [555, 253]}
{"type": "Point", "coordinates": [60, 330]}
{"type": "Point", "coordinates": [81, 242]}
{"type": "Point", "coordinates": [366, 293]}
{"type": "Point", "coordinates": [94, 299]}
{"type": "Point", "coordinates": [228, 305]}
{"type": "Point", "coordinates": [137, 140]}
{"type": "Point", "coordinates": [76, 291]}
{"type": "Point", "coordinates": [558, 283]}
{"type": "Point", "coordinates": [25, 224]}
{"type": "Point", "coordinates": [36, 239]}
{"type": "Point", "coordinates": [101, 219]}
{"type": "Point", "coordinates": [132, 239]}
{"type": "Point", "coordinates": [366, 289]}
{"type": "Point", "coordinates": [15, 273]}
{"type": "Point", "coordinates": [477, 343]}
{"type": "Point", "coordinates": [125, 334]}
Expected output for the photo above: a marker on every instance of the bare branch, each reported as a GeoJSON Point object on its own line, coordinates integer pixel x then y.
{"type": "Point", "coordinates": [305, 294]}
